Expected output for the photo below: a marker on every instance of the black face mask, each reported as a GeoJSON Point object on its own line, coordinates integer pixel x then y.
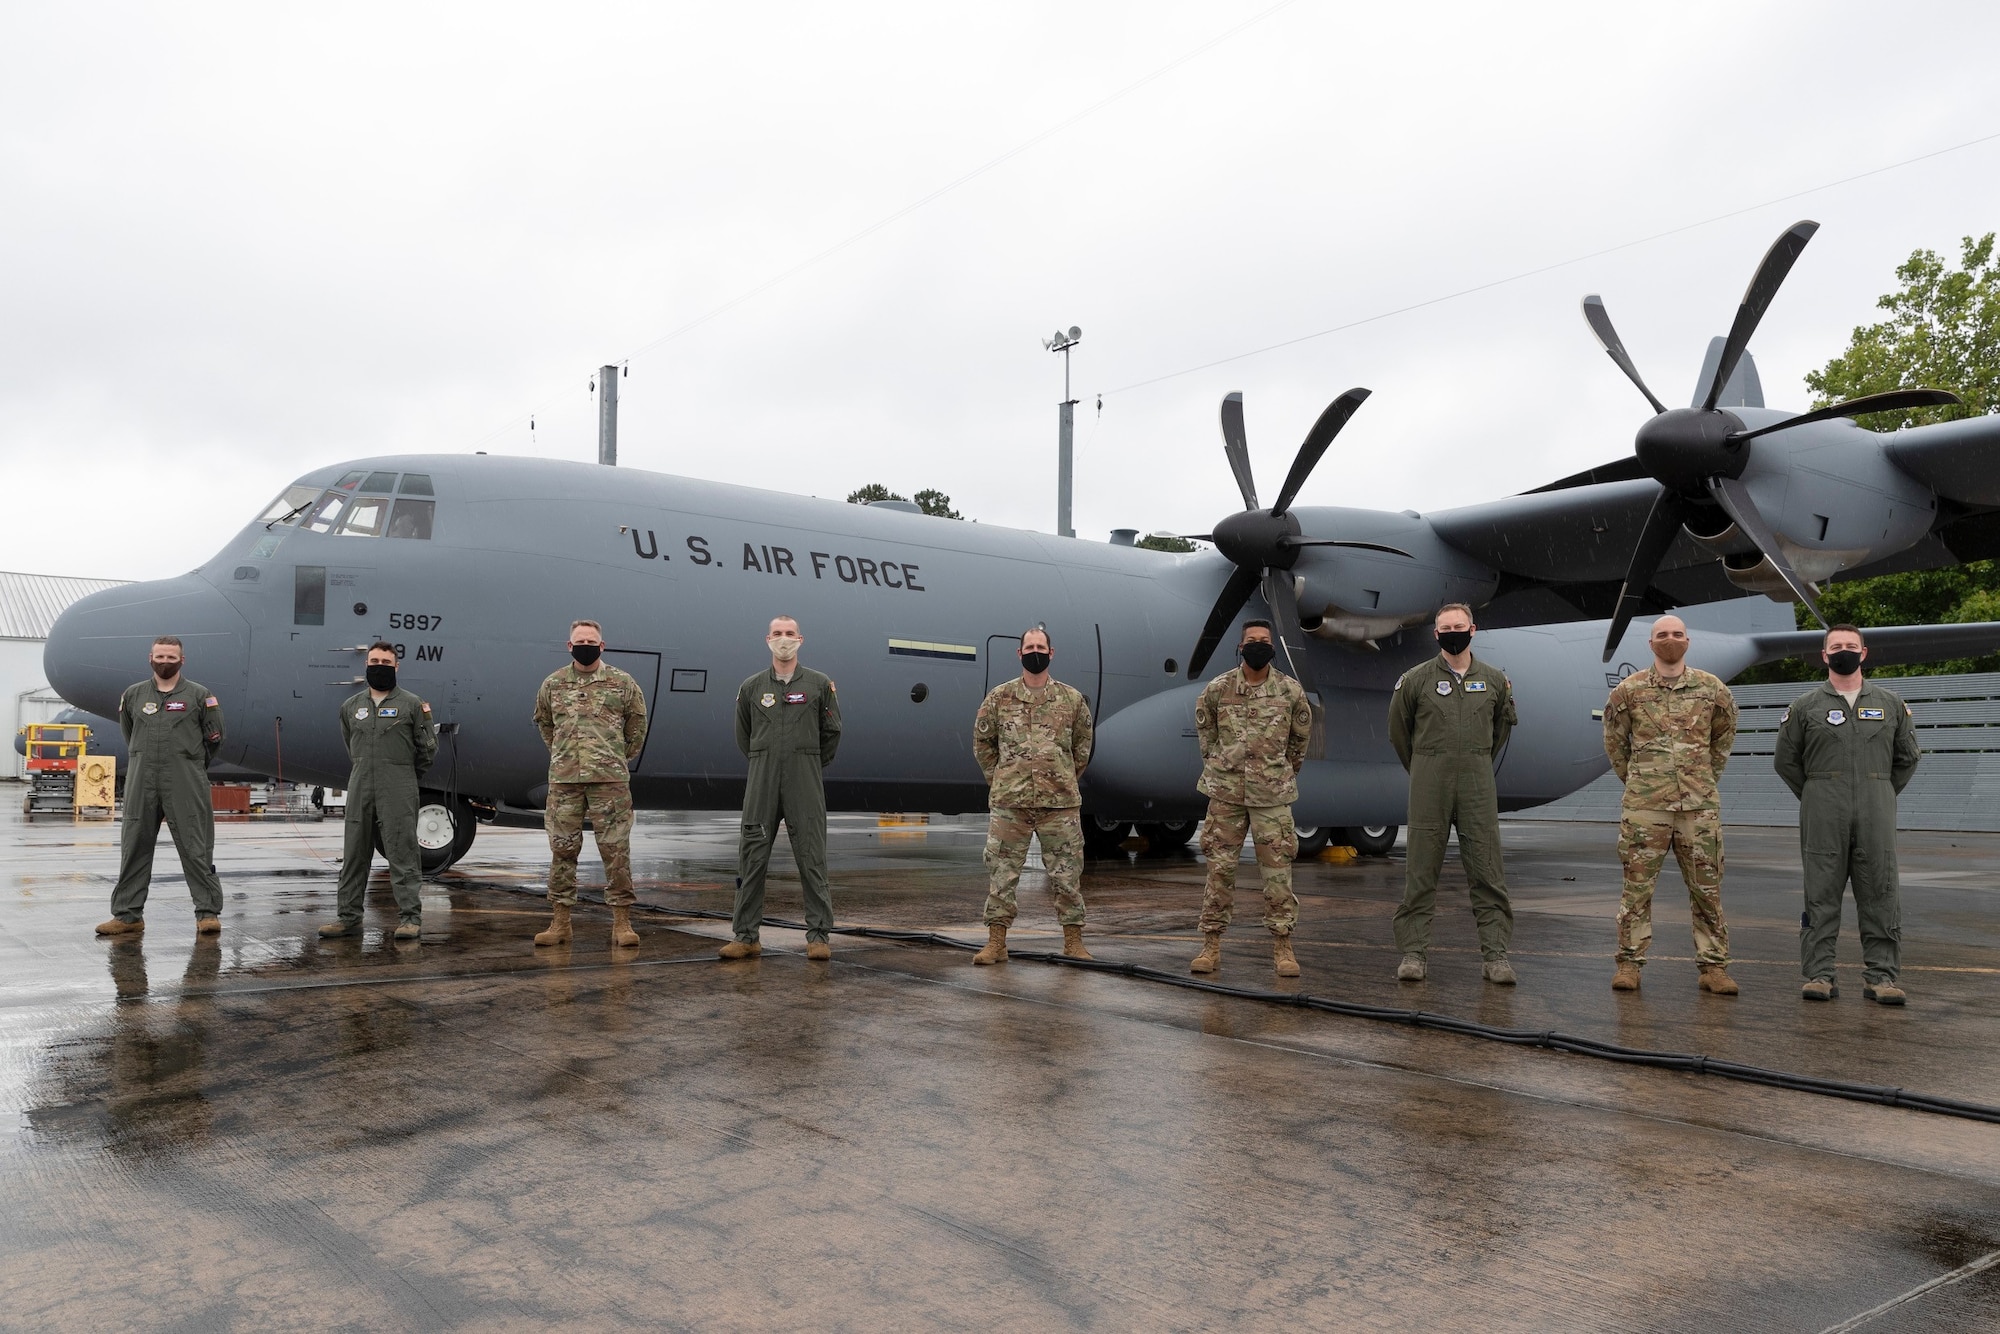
{"type": "Point", "coordinates": [1257, 655]}
{"type": "Point", "coordinates": [1846, 662]}
{"type": "Point", "coordinates": [585, 654]}
{"type": "Point", "coordinates": [1036, 661]}
{"type": "Point", "coordinates": [1454, 641]}
{"type": "Point", "coordinates": [166, 671]}
{"type": "Point", "coordinates": [381, 676]}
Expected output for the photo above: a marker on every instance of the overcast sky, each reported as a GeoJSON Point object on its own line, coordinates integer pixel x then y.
{"type": "Point", "coordinates": [237, 243]}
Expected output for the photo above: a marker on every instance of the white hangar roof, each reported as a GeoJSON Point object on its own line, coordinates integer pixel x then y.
{"type": "Point", "coordinates": [30, 603]}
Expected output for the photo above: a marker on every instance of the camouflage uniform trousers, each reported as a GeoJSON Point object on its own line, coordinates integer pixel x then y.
{"type": "Point", "coordinates": [1696, 840]}
{"type": "Point", "coordinates": [1277, 841]}
{"type": "Point", "coordinates": [609, 808]}
{"type": "Point", "coordinates": [1007, 832]}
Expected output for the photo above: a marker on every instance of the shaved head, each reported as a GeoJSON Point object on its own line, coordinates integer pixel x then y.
{"type": "Point", "coordinates": [1669, 627]}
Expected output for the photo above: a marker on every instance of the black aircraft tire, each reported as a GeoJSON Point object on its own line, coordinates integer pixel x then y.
{"type": "Point", "coordinates": [438, 815]}
{"type": "Point", "coordinates": [1102, 837]}
{"type": "Point", "coordinates": [1371, 840]}
{"type": "Point", "coordinates": [1313, 839]}
{"type": "Point", "coordinates": [1167, 838]}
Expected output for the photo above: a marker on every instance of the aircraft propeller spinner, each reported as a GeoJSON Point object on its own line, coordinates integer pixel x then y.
{"type": "Point", "coordinates": [1698, 454]}
{"type": "Point", "coordinates": [1264, 543]}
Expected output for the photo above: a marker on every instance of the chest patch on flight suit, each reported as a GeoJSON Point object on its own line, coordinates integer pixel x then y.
{"type": "Point", "coordinates": [176, 706]}
{"type": "Point", "coordinates": [796, 697]}
{"type": "Point", "coordinates": [1474, 686]}
{"type": "Point", "coordinates": [149, 708]}
{"type": "Point", "coordinates": [385, 713]}
{"type": "Point", "coordinates": [1444, 687]}
{"type": "Point", "coordinates": [360, 713]}
{"type": "Point", "coordinates": [768, 700]}
{"type": "Point", "coordinates": [1870, 715]}
{"type": "Point", "coordinates": [1836, 716]}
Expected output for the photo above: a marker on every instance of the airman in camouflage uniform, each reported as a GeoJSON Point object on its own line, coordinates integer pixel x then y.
{"type": "Point", "coordinates": [1254, 724]}
{"type": "Point", "coordinates": [593, 720]}
{"type": "Point", "coordinates": [1668, 731]}
{"type": "Point", "coordinates": [1032, 738]}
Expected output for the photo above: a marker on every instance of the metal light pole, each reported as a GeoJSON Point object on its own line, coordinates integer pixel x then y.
{"type": "Point", "coordinates": [1066, 431]}
{"type": "Point", "coordinates": [607, 415]}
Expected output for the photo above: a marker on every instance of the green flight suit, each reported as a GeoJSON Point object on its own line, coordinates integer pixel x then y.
{"type": "Point", "coordinates": [1446, 731]}
{"type": "Point", "coordinates": [1846, 763]}
{"type": "Point", "coordinates": [171, 736]}
{"type": "Point", "coordinates": [790, 731]}
{"type": "Point", "coordinates": [390, 745]}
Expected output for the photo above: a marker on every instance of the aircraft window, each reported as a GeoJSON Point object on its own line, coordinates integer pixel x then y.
{"type": "Point", "coordinates": [412, 519]}
{"type": "Point", "coordinates": [289, 505]}
{"type": "Point", "coordinates": [364, 517]}
{"type": "Point", "coordinates": [384, 482]}
{"type": "Point", "coordinates": [309, 595]}
{"type": "Point", "coordinates": [349, 481]}
{"type": "Point", "coordinates": [417, 484]}
{"type": "Point", "coordinates": [326, 516]}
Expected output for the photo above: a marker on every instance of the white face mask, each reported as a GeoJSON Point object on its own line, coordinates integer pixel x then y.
{"type": "Point", "coordinates": [784, 650]}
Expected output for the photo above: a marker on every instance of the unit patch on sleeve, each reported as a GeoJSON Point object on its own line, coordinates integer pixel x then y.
{"type": "Point", "coordinates": [210, 703]}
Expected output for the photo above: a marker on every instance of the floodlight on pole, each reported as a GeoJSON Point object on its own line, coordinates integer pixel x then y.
{"type": "Point", "coordinates": [1062, 342]}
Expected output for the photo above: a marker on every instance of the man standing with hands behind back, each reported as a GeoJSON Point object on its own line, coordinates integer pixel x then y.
{"type": "Point", "coordinates": [593, 720]}
{"type": "Point", "coordinates": [788, 724]}
{"type": "Point", "coordinates": [1447, 720]}
{"type": "Point", "coordinates": [1667, 732]}
{"type": "Point", "coordinates": [390, 745]}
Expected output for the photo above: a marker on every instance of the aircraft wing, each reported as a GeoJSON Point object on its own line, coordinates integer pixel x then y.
{"type": "Point", "coordinates": [1890, 645]}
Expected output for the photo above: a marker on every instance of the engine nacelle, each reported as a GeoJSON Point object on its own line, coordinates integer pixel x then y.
{"type": "Point", "coordinates": [1355, 595]}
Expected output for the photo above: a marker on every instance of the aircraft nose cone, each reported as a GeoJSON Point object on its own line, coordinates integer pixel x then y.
{"type": "Point", "coordinates": [102, 643]}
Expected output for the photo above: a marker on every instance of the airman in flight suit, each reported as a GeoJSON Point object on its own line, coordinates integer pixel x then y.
{"type": "Point", "coordinates": [390, 745]}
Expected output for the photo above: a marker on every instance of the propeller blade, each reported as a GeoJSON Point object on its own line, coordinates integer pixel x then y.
{"type": "Point", "coordinates": [1282, 597]}
{"type": "Point", "coordinates": [1607, 338]}
{"type": "Point", "coordinates": [1764, 285]}
{"type": "Point", "coordinates": [1242, 583]}
{"type": "Point", "coordinates": [1663, 525]}
{"type": "Point", "coordinates": [1287, 543]}
{"type": "Point", "coordinates": [1237, 446]}
{"type": "Point", "coordinates": [1314, 447]}
{"type": "Point", "coordinates": [1894, 400]}
{"type": "Point", "coordinates": [1734, 497]}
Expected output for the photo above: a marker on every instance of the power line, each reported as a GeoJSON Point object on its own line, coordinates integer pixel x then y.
{"type": "Point", "coordinates": [1550, 268]}
{"type": "Point", "coordinates": [924, 200]}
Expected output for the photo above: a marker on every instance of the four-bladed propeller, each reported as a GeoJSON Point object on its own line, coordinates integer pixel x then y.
{"type": "Point", "coordinates": [1264, 544]}
{"type": "Point", "coordinates": [1698, 454]}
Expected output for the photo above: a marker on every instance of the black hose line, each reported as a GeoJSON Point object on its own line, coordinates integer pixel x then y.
{"type": "Point", "coordinates": [1444, 1023]}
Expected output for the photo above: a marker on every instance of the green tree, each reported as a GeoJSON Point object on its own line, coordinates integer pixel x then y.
{"type": "Point", "coordinates": [936, 504]}
{"type": "Point", "coordinates": [1164, 542]}
{"type": "Point", "coordinates": [1943, 332]}
{"type": "Point", "coordinates": [871, 493]}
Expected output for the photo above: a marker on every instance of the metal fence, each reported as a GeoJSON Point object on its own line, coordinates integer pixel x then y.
{"type": "Point", "coordinates": [1957, 785]}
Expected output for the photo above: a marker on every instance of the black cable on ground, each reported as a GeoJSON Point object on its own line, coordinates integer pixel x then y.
{"type": "Point", "coordinates": [1443, 1023]}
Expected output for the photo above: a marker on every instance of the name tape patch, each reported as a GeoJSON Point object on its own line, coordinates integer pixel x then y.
{"type": "Point", "coordinates": [795, 697]}
{"type": "Point", "coordinates": [1474, 687]}
{"type": "Point", "coordinates": [1871, 715]}
{"type": "Point", "coordinates": [176, 706]}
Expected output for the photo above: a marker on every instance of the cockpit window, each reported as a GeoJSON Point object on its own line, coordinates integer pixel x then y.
{"type": "Point", "coordinates": [412, 519]}
{"type": "Point", "coordinates": [417, 484]}
{"type": "Point", "coordinates": [364, 517]}
{"type": "Point", "coordinates": [325, 516]}
{"type": "Point", "coordinates": [290, 505]}
{"type": "Point", "coordinates": [349, 481]}
{"type": "Point", "coordinates": [383, 483]}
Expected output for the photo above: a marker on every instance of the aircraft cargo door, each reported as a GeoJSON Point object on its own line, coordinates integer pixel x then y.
{"type": "Point", "coordinates": [644, 667]}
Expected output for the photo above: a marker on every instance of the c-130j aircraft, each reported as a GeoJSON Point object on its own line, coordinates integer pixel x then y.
{"type": "Point", "coordinates": [475, 565]}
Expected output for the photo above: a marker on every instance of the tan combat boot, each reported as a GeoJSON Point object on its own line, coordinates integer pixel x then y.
{"type": "Point", "coordinates": [1819, 989]}
{"type": "Point", "coordinates": [741, 949]}
{"type": "Point", "coordinates": [409, 930]}
{"type": "Point", "coordinates": [1073, 943]}
{"type": "Point", "coordinates": [1210, 957]}
{"type": "Point", "coordinates": [622, 935]}
{"type": "Point", "coordinates": [119, 927]}
{"type": "Point", "coordinates": [996, 945]}
{"type": "Point", "coordinates": [1884, 993]}
{"type": "Point", "coordinates": [1413, 968]}
{"type": "Point", "coordinates": [558, 932]}
{"type": "Point", "coordinates": [1715, 980]}
{"type": "Point", "coordinates": [207, 926]}
{"type": "Point", "coordinates": [818, 951]}
{"type": "Point", "coordinates": [1627, 977]}
{"type": "Point", "coordinates": [1281, 956]}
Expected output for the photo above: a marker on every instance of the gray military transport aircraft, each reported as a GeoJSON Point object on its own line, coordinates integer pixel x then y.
{"type": "Point", "coordinates": [474, 566]}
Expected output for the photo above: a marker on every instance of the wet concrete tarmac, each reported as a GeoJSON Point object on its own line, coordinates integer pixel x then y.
{"type": "Point", "coordinates": [267, 1130]}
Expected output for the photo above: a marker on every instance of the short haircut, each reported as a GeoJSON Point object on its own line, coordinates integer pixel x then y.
{"type": "Point", "coordinates": [1038, 629]}
{"type": "Point", "coordinates": [1833, 630]}
{"type": "Point", "coordinates": [171, 641]}
{"type": "Point", "coordinates": [383, 646]}
{"type": "Point", "coordinates": [592, 624]}
{"type": "Point", "coordinates": [793, 619]}
{"type": "Point", "coordinates": [1452, 606]}
{"type": "Point", "coordinates": [1256, 625]}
